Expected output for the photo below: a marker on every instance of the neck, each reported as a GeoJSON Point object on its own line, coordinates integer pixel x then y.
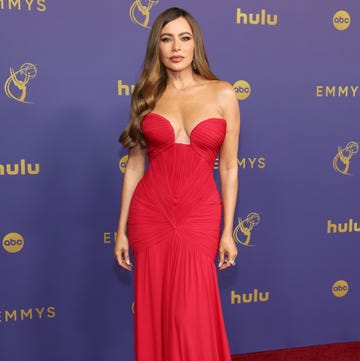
{"type": "Point", "coordinates": [181, 80]}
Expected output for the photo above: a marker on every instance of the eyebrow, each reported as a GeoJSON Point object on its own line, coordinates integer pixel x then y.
{"type": "Point", "coordinates": [183, 33]}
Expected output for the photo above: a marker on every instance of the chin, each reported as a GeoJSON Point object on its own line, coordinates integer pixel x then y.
{"type": "Point", "coordinates": [178, 67]}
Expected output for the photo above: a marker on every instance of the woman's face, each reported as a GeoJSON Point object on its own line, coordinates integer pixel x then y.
{"type": "Point", "coordinates": [177, 45]}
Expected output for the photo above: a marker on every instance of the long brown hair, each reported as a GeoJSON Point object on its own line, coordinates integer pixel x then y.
{"type": "Point", "coordinates": [153, 79]}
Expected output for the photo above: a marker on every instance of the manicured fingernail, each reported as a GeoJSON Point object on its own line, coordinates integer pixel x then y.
{"type": "Point", "coordinates": [127, 262]}
{"type": "Point", "coordinates": [220, 264]}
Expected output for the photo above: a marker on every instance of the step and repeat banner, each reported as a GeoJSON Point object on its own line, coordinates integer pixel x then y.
{"type": "Point", "coordinates": [67, 70]}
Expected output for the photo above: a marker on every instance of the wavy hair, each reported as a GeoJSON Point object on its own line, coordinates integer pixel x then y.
{"type": "Point", "coordinates": [153, 79]}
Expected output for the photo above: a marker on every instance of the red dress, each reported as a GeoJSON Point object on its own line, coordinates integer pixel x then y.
{"type": "Point", "coordinates": [174, 232]}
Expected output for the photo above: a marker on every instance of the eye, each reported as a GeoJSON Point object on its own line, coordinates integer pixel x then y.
{"type": "Point", "coordinates": [186, 38]}
{"type": "Point", "coordinates": [165, 40]}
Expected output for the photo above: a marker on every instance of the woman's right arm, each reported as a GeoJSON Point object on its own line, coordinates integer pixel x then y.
{"type": "Point", "coordinates": [134, 171]}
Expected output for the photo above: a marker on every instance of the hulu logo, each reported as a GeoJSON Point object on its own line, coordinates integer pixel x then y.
{"type": "Point", "coordinates": [22, 168]}
{"type": "Point", "coordinates": [124, 89]}
{"type": "Point", "coordinates": [251, 297]}
{"type": "Point", "coordinates": [346, 227]}
{"type": "Point", "coordinates": [261, 18]}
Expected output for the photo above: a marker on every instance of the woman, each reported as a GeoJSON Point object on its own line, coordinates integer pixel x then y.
{"type": "Point", "coordinates": [182, 116]}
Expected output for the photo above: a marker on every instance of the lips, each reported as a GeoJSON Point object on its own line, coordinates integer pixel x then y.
{"type": "Point", "coordinates": [176, 59]}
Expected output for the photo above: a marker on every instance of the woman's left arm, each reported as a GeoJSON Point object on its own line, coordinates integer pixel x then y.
{"type": "Point", "coordinates": [228, 169]}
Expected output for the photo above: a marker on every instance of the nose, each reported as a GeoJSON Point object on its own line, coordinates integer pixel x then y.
{"type": "Point", "coordinates": [176, 45]}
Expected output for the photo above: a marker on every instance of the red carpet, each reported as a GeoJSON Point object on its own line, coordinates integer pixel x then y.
{"type": "Point", "coordinates": [335, 352]}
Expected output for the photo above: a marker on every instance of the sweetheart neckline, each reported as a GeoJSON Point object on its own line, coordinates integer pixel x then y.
{"type": "Point", "coordinates": [192, 130]}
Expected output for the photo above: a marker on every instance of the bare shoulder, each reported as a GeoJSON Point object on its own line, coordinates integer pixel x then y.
{"type": "Point", "coordinates": [221, 88]}
{"type": "Point", "coordinates": [221, 97]}
{"type": "Point", "coordinates": [226, 97]}
{"type": "Point", "coordinates": [223, 91]}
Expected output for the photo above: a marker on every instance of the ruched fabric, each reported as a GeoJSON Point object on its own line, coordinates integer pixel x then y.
{"type": "Point", "coordinates": [174, 231]}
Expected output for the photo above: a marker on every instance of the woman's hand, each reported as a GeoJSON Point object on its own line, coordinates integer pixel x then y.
{"type": "Point", "coordinates": [121, 251]}
{"type": "Point", "coordinates": [227, 252]}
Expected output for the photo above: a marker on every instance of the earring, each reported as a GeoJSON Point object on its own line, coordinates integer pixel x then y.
{"type": "Point", "coordinates": [193, 65]}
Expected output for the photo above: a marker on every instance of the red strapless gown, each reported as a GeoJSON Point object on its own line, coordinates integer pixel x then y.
{"type": "Point", "coordinates": [174, 232]}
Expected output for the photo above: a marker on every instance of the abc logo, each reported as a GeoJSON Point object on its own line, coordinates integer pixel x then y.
{"type": "Point", "coordinates": [340, 288]}
{"type": "Point", "coordinates": [13, 242]}
{"type": "Point", "coordinates": [341, 20]}
{"type": "Point", "coordinates": [122, 163]}
{"type": "Point", "coordinates": [242, 89]}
